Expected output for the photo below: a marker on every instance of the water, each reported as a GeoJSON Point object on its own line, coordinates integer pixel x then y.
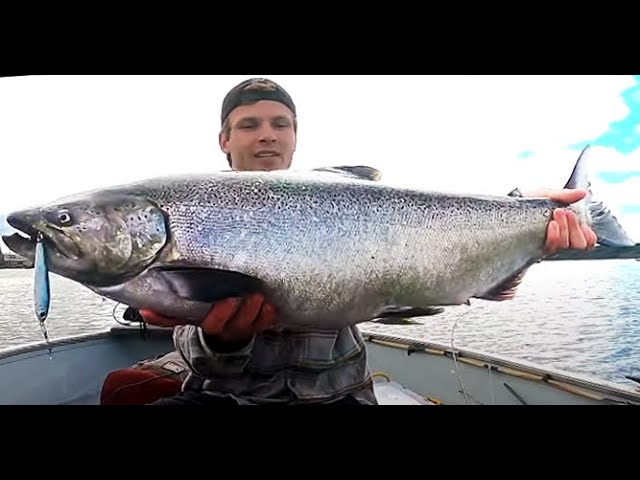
{"type": "Point", "coordinates": [74, 309]}
{"type": "Point", "coordinates": [580, 316]}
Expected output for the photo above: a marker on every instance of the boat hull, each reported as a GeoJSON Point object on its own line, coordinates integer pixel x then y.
{"type": "Point", "coordinates": [406, 371]}
{"type": "Point", "coordinates": [77, 367]}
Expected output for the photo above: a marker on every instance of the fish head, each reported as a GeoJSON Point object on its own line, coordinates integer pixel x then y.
{"type": "Point", "coordinates": [101, 239]}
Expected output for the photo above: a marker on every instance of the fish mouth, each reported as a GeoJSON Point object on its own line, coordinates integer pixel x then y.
{"type": "Point", "coordinates": [23, 242]}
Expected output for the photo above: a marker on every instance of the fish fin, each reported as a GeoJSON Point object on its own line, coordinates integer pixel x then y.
{"type": "Point", "coordinates": [579, 178]}
{"type": "Point", "coordinates": [408, 312]}
{"type": "Point", "coordinates": [603, 222]}
{"type": "Point", "coordinates": [507, 289]}
{"type": "Point", "coordinates": [632, 378]}
{"type": "Point", "coordinates": [209, 285]}
{"type": "Point", "coordinates": [395, 321]}
{"type": "Point", "coordinates": [359, 171]}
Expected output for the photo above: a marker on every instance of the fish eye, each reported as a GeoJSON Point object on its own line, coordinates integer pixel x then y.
{"type": "Point", "coordinates": [64, 217]}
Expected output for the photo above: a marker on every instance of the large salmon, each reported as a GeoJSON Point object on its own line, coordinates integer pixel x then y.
{"type": "Point", "coordinates": [328, 247]}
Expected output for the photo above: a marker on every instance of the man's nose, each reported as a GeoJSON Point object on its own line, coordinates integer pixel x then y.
{"type": "Point", "coordinates": [267, 134]}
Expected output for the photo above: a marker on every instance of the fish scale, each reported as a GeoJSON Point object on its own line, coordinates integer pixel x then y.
{"type": "Point", "coordinates": [320, 263]}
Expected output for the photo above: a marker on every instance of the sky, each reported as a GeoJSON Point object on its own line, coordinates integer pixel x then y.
{"type": "Point", "coordinates": [61, 135]}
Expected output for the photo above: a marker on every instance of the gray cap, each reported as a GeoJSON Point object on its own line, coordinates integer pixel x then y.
{"type": "Point", "coordinates": [254, 90]}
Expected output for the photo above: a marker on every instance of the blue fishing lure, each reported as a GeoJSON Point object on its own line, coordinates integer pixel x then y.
{"type": "Point", "coordinates": [41, 288]}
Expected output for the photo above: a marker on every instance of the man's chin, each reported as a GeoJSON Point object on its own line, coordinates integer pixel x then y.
{"type": "Point", "coordinates": [265, 164]}
{"type": "Point", "coordinates": [269, 163]}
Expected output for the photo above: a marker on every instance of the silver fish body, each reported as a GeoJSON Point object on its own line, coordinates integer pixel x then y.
{"type": "Point", "coordinates": [330, 253]}
{"type": "Point", "coordinates": [329, 248]}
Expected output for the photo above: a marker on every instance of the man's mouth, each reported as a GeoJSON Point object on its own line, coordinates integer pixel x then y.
{"type": "Point", "coordinates": [267, 154]}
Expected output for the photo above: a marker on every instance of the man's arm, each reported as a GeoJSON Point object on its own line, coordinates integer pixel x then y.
{"type": "Point", "coordinates": [229, 329]}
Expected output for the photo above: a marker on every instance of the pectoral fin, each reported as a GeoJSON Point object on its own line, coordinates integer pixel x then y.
{"type": "Point", "coordinates": [209, 285]}
{"type": "Point", "coordinates": [362, 172]}
{"type": "Point", "coordinates": [399, 312]}
{"type": "Point", "coordinates": [395, 321]}
{"type": "Point", "coordinates": [507, 289]}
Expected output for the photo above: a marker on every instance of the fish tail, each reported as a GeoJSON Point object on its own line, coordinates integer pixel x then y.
{"type": "Point", "coordinates": [593, 212]}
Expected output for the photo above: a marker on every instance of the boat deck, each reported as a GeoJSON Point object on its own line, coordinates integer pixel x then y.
{"type": "Point", "coordinates": [392, 393]}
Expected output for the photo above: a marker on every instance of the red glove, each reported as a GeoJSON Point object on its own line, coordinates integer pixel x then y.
{"type": "Point", "coordinates": [232, 320]}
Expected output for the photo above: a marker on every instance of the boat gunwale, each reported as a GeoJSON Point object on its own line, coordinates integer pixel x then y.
{"type": "Point", "coordinates": [548, 375]}
{"type": "Point", "coordinates": [79, 338]}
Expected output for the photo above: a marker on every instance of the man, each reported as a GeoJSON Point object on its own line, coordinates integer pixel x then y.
{"type": "Point", "coordinates": [237, 355]}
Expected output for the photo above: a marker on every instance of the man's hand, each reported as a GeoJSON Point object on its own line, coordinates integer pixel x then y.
{"type": "Point", "coordinates": [564, 231]}
{"type": "Point", "coordinates": [230, 321]}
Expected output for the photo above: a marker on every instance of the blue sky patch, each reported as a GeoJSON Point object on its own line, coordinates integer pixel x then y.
{"type": "Point", "coordinates": [630, 209]}
{"type": "Point", "coordinates": [617, 177]}
{"type": "Point", "coordinates": [623, 135]}
{"type": "Point", "coordinates": [525, 154]}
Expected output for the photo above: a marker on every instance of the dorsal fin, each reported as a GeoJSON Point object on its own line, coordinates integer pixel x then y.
{"type": "Point", "coordinates": [357, 171]}
{"type": "Point", "coordinates": [579, 177]}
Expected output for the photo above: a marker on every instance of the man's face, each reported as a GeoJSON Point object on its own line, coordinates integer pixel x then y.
{"type": "Point", "coordinates": [262, 136]}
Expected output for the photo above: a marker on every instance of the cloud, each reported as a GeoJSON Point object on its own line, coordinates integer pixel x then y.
{"type": "Point", "coordinates": [455, 132]}
{"type": "Point", "coordinates": [623, 199]}
{"type": "Point", "coordinates": [621, 134]}
{"type": "Point", "coordinates": [631, 224]}
{"type": "Point", "coordinates": [552, 167]}
{"type": "Point", "coordinates": [64, 134]}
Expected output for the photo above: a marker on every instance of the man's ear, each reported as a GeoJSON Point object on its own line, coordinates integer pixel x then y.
{"type": "Point", "coordinates": [224, 142]}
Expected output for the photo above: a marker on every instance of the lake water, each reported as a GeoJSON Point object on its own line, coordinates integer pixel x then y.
{"type": "Point", "coordinates": [578, 316]}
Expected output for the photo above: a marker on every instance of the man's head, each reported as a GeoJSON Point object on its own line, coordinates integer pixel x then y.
{"type": "Point", "coordinates": [259, 126]}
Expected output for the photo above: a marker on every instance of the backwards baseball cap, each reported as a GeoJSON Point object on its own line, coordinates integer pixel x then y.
{"type": "Point", "coordinates": [254, 90]}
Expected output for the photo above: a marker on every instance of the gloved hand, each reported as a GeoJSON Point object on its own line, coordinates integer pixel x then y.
{"type": "Point", "coordinates": [230, 321]}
